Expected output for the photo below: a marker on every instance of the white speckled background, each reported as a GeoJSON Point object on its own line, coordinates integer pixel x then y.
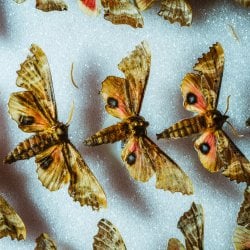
{"type": "Point", "coordinates": [146, 217]}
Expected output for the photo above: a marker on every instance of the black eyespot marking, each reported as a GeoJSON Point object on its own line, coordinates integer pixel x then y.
{"type": "Point", "coordinates": [204, 148]}
{"type": "Point", "coordinates": [131, 158]}
{"type": "Point", "coordinates": [26, 120]}
{"type": "Point", "coordinates": [112, 102]}
{"type": "Point", "coordinates": [45, 162]}
{"type": "Point", "coordinates": [191, 98]}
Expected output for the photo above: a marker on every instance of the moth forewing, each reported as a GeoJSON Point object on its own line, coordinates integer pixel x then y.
{"type": "Point", "coordinates": [10, 222]}
{"type": "Point", "coordinates": [51, 5]}
{"type": "Point", "coordinates": [144, 4]}
{"type": "Point", "coordinates": [45, 242]}
{"type": "Point", "coordinates": [175, 244]}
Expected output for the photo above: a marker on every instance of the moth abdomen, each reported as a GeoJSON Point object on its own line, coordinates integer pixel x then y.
{"type": "Point", "coordinates": [184, 128]}
{"type": "Point", "coordinates": [31, 147]}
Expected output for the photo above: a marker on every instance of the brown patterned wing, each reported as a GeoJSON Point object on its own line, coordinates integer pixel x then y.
{"type": "Point", "coordinates": [108, 237]}
{"type": "Point", "coordinates": [143, 158]}
{"type": "Point", "coordinates": [45, 242]}
{"type": "Point", "coordinates": [84, 186]}
{"type": "Point", "coordinates": [217, 152]}
{"type": "Point", "coordinates": [176, 11]}
{"type": "Point", "coordinates": [10, 223]}
{"type": "Point", "coordinates": [244, 213]}
{"type": "Point", "coordinates": [175, 244]}
{"type": "Point", "coordinates": [50, 5]}
{"type": "Point", "coordinates": [122, 12]}
{"type": "Point", "coordinates": [191, 225]}
{"type": "Point", "coordinates": [245, 3]}
{"type": "Point", "coordinates": [35, 76]}
{"type": "Point", "coordinates": [211, 66]}
{"type": "Point", "coordinates": [144, 4]}
{"type": "Point", "coordinates": [241, 238]}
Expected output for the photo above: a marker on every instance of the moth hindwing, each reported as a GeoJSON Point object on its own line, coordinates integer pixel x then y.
{"type": "Point", "coordinates": [58, 161]}
{"type": "Point", "coordinates": [123, 98]}
{"type": "Point", "coordinates": [200, 91]}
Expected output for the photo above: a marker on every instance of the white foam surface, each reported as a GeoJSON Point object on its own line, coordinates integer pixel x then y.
{"type": "Point", "coordinates": [145, 216]}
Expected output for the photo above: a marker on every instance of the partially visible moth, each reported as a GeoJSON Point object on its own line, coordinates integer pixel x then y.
{"type": "Point", "coordinates": [191, 225]}
{"type": "Point", "coordinates": [123, 98]}
{"type": "Point", "coordinates": [172, 10]}
{"type": "Point", "coordinates": [48, 5]}
{"type": "Point", "coordinates": [58, 161]}
{"type": "Point", "coordinates": [108, 237]}
{"type": "Point", "coordinates": [45, 242]}
{"type": "Point", "coordinates": [200, 91]}
{"type": "Point", "coordinates": [10, 222]}
{"type": "Point", "coordinates": [245, 3]}
{"type": "Point", "coordinates": [241, 238]}
{"type": "Point", "coordinates": [115, 11]}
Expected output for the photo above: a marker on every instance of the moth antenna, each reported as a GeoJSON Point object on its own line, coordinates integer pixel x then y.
{"type": "Point", "coordinates": [71, 76]}
{"type": "Point", "coordinates": [233, 32]}
{"type": "Point", "coordinates": [228, 101]}
{"type": "Point", "coordinates": [72, 109]}
{"type": "Point", "coordinates": [235, 132]}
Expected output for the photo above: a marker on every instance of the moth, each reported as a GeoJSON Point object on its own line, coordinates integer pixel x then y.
{"type": "Point", "coordinates": [48, 5]}
{"type": "Point", "coordinates": [191, 225]}
{"type": "Point", "coordinates": [10, 222]}
{"type": "Point", "coordinates": [123, 98]}
{"type": "Point", "coordinates": [241, 238]}
{"type": "Point", "coordinates": [245, 3]}
{"type": "Point", "coordinates": [108, 237]}
{"type": "Point", "coordinates": [115, 11]}
{"type": "Point", "coordinates": [200, 91]}
{"type": "Point", "coordinates": [58, 161]}
{"type": "Point", "coordinates": [45, 242]}
{"type": "Point", "coordinates": [172, 10]}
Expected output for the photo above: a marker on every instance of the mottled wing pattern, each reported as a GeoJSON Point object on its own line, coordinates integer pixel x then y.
{"type": "Point", "coordinates": [241, 238]}
{"type": "Point", "coordinates": [136, 68]}
{"type": "Point", "coordinates": [143, 158]}
{"type": "Point", "coordinates": [176, 11]}
{"type": "Point", "coordinates": [175, 244]}
{"type": "Point", "coordinates": [50, 5]}
{"type": "Point", "coordinates": [122, 12]}
{"type": "Point", "coordinates": [52, 169]}
{"type": "Point", "coordinates": [10, 223]}
{"type": "Point", "coordinates": [35, 76]}
{"type": "Point", "coordinates": [83, 187]}
{"type": "Point", "coordinates": [211, 66]}
{"type": "Point", "coordinates": [45, 242]}
{"type": "Point", "coordinates": [223, 155]}
{"type": "Point", "coordinates": [91, 7]}
{"type": "Point", "coordinates": [191, 225]}
{"type": "Point", "coordinates": [244, 213]}
{"type": "Point", "coordinates": [245, 3]}
{"type": "Point", "coordinates": [108, 237]}
{"type": "Point", "coordinates": [144, 4]}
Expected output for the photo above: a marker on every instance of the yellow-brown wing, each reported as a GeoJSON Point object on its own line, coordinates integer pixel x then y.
{"type": "Point", "coordinates": [10, 223]}
{"type": "Point", "coordinates": [50, 5]}
{"type": "Point", "coordinates": [241, 238]}
{"type": "Point", "coordinates": [245, 3]}
{"type": "Point", "coordinates": [84, 186]}
{"type": "Point", "coordinates": [52, 168]}
{"type": "Point", "coordinates": [176, 11]}
{"type": "Point", "coordinates": [244, 213]}
{"type": "Point", "coordinates": [25, 110]}
{"type": "Point", "coordinates": [45, 242]}
{"type": "Point", "coordinates": [108, 237]}
{"type": "Point", "coordinates": [191, 225]}
{"type": "Point", "coordinates": [144, 4]}
{"type": "Point", "coordinates": [175, 244]}
{"type": "Point", "coordinates": [217, 152]}
{"type": "Point", "coordinates": [122, 12]}
{"type": "Point", "coordinates": [35, 76]}
{"type": "Point", "coordinates": [143, 158]}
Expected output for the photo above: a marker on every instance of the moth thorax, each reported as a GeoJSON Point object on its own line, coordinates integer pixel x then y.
{"type": "Point", "coordinates": [62, 131]}
{"type": "Point", "coordinates": [214, 119]}
{"type": "Point", "coordinates": [138, 125]}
